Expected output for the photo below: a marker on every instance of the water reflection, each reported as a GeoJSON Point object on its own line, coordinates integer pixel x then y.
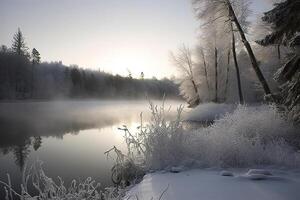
{"type": "Point", "coordinates": [25, 126]}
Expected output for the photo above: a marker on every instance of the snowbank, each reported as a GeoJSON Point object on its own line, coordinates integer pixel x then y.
{"type": "Point", "coordinates": [209, 112]}
{"type": "Point", "coordinates": [209, 184]}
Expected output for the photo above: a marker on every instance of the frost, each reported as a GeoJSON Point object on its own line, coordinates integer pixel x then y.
{"type": "Point", "coordinates": [245, 137]}
{"type": "Point", "coordinates": [249, 136]}
{"type": "Point", "coordinates": [48, 189]}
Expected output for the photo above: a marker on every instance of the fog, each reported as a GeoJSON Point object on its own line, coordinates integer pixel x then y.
{"type": "Point", "coordinates": [69, 135]}
{"type": "Point", "coordinates": [57, 118]}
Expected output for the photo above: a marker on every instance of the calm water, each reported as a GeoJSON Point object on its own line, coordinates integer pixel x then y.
{"type": "Point", "coordinates": [70, 137]}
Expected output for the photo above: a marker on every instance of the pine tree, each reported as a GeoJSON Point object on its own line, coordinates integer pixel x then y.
{"type": "Point", "coordinates": [19, 46]}
{"type": "Point", "coordinates": [36, 58]}
{"type": "Point", "coordinates": [284, 18]}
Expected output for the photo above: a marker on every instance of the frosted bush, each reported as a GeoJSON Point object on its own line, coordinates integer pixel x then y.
{"type": "Point", "coordinates": [249, 136]}
{"type": "Point", "coordinates": [159, 143]}
{"type": "Point", "coordinates": [47, 189]}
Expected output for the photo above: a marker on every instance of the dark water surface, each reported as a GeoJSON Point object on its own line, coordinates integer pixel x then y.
{"type": "Point", "coordinates": [70, 137]}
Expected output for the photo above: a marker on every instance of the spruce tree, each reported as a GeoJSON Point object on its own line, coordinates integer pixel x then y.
{"type": "Point", "coordinates": [284, 19]}
{"type": "Point", "coordinates": [36, 58]}
{"type": "Point", "coordinates": [19, 46]}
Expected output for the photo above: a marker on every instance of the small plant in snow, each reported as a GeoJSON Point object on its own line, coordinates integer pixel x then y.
{"type": "Point", "coordinates": [47, 189]}
{"type": "Point", "coordinates": [249, 136]}
{"type": "Point", "coordinates": [159, 143]}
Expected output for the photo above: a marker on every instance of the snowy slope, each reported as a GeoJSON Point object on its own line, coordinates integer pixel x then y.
{"type": "Point", "coordinates": [210, 185]}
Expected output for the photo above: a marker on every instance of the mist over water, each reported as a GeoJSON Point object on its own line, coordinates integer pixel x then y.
{"type": "Point", "coordinates": [70, 137]}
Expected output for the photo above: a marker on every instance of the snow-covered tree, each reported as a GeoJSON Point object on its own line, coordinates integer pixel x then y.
{"type": "Point", "coordinates": [211, 11]}
{"type": "Point", "coordinates": [184, 61]}
{"type": "Point", "coordinates": [36, 57]}
{"type": "Point", "coordinates": [284, 19]}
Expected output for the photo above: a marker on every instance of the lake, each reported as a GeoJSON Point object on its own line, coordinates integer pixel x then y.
{"type": "Point", "coordinates": [70, 137]}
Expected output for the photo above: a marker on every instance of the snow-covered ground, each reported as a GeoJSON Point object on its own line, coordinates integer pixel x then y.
{"type": "Point", "coordinates": [240, 137]}
{"type": "Point", "coordinates": [208, 184]}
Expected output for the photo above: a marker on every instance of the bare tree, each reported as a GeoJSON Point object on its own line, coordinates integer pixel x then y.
{"type": "Point", "coordinates": [237, 69]}
{"type": "Point", "coordinates": [216, 74]}
{"type": "Point", "coordinates": [227, 75]}
{"type": "Point", "coordinates": [183, 60]}
{"type": "Point", "coordinates": [223, 10]}
{"type": "Point", "coordinates": [205, 67]}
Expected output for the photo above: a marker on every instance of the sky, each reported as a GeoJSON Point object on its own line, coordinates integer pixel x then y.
{"type": "Point", "coordinates": [111, 35]}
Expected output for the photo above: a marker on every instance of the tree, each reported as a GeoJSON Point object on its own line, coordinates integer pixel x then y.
{"type": "Point", "coordinates": [205, 67]}
{"type": "Point", "coordinates": [216, 74]}
{"type": "Point", "coordinates": [19, 46]}
{"type": "Point", "coordinates": [241, 97]}
{"type": "Point", "coordinates": [183, 60]}
{"type": "Point", "coordinates": [36, 58]}
{"type": "Point", "coordinates": [76, 78]}
{"type": "Point", "coordinates": [37, 142]}
{"type": "Point", "coordinates": [223, 10]}
{"type": "Point", "coordinates": [142, 75]}
{"type": "Point", "coordinates": [129, 74]}
{"type": "Point", "coordinates": [3, 49]}
{"type": "Point", "coordinates": [284, 19]}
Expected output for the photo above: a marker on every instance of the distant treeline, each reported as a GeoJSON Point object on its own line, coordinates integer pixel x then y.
{"type": "Point", "coordinates": [22, 76]}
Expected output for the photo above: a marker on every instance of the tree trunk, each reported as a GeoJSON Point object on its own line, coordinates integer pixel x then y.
{"type": "Point", "coordinates": [241, 98]}
{"type": "Point", "coordinates": [255, 66]}
{"type": "Point", "coordinates": [227, 76]}
{"type": "Point", "coordinates": [216, 74]}
{"type": "Point", "coordinates": [196, 91]}
{"type": "Point", "coordinates": [278, 52]}
{"type": "Point", "coordinates": [205, 70]}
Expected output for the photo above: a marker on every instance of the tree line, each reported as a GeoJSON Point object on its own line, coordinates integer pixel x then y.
{"type": "Point", "coordinates": [227, 66]}
{"type": "Point", "coordinates": [24, 76]}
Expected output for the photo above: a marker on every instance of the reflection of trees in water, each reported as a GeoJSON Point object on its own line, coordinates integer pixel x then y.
{"type": "Point", "coordinates": [21, 153]}
{"type": "Point", "coordinates": [24, 125]}
{"type": "Point", "coordinates": [37, 142]}
{"type": "Point", "coordinates": [21, 149]}
{"type": "Point", "coordinates": [20, 140]}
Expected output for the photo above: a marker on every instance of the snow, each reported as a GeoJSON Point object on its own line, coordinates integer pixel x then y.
{"type": "Point", "coordinates": [256, 176]}
{"type": "Point", "coordinates": [259, 171]}
{"type": "Point", "coordinates": [209, 112]}
{"type": "Point", "coordinates": [240, 138]}
{"type": "Point", "coordinates": [206, 184]}
{"type": "Point", "coordinates": [259, 174]}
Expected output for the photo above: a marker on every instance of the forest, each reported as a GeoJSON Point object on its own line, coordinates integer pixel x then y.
{"type": "Point", "coordinates": [243, 61]}
{"type": "Point", "coordinates": [24, 76]}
